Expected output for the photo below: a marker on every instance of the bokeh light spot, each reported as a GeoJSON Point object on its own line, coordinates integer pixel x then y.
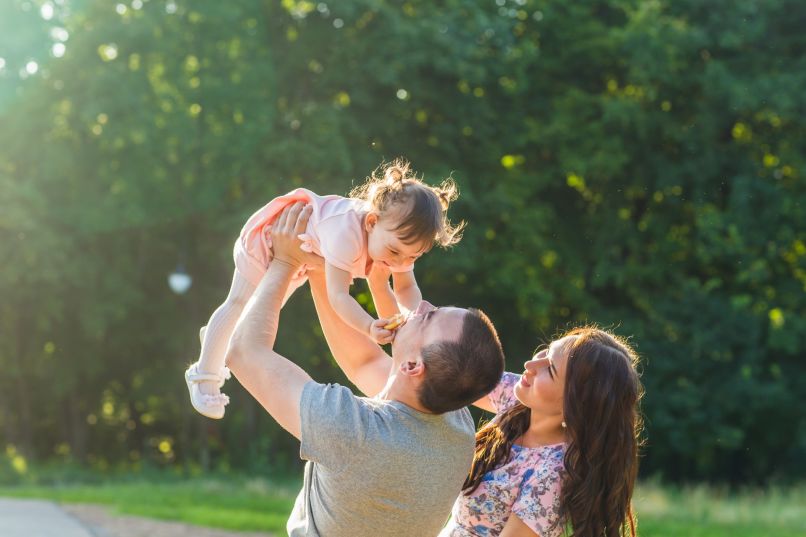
{"type": "Point", "coordinates": [46, 11]}
{"type": "Point", "coordinates": [108, 52]}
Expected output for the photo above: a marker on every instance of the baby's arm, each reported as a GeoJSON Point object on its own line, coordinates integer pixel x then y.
{"type": "Point", "coordinates": [407, 292]}
{"type": "Point", "coordinates": [382, 295]}
{"type": "Point", "coordinates": [338, 293]}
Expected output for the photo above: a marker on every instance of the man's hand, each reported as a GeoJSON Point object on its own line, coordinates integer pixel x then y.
{"type": "Point", "coordinates": [379, 334]}
{"type": "Point", "coordinates": [291, 223]}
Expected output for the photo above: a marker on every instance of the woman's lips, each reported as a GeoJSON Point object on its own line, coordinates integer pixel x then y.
{"type": "Point", "coordinates": [523, 382]}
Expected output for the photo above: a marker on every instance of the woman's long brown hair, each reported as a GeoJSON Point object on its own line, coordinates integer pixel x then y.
{"type": "Point", "coordinates": [600, 409]}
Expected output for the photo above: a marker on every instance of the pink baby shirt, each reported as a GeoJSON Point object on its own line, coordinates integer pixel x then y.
{"type": "Point", "coordinates": [335, 231]}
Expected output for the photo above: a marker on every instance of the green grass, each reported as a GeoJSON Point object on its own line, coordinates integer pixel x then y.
{"type": "Point", "coordinates": [263, 505]}
{"type": "Point", "coordinates": [712, 512]}
{"type": "Point", "coordinates": [237, 504]}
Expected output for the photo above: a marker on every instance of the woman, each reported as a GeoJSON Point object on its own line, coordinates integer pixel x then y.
{"type": "Point", "coordinates": [561, 455]}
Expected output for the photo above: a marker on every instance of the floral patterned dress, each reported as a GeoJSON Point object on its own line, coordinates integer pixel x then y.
{"type": "Point", "coordinates": [528, 485]}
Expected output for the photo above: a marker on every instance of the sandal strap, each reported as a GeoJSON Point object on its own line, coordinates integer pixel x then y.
{"type": "Point", "coordinates": [201, 377]}
{"type": "Point", "coordinates": [193, 374]}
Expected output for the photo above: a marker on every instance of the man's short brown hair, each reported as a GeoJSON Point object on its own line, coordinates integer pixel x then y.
{"type": "Point", "coordinates": [457, 373]}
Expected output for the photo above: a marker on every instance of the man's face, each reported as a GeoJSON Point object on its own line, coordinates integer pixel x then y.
{"type": "Point", "coordinates": [425, 326]}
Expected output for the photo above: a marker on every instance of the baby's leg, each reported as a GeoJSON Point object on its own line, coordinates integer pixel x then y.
{"type": "Point", "coordinates": [219, 330]}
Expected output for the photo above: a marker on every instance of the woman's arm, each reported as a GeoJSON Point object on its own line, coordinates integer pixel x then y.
{"type": "Point", "coordinates": [515, 527]}
{"type": "Point", "coordinates": [407, 292]}
{"type": "Point", "coordinates": [501, 397]}
{"type": "Point", "coordinates": [485, 404]}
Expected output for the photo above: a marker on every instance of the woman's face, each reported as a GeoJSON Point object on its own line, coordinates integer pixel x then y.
{"type": "Point", "coordinates": [543, 381]}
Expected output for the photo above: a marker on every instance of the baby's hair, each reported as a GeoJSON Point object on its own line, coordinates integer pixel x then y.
{"type": "Point", "coordinates": [421, 209]}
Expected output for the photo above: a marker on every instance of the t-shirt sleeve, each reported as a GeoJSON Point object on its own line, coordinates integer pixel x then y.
{"type": "Point", "coordinates": [502, 397]}
{"type": "Point", "coordinates": [538, 503]}
{"type": "Point", "coordinates": [333, 424]}
{"type": "Point", "coordinates": [341, 240]}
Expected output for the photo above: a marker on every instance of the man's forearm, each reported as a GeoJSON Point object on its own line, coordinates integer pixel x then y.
{"type": "Point", "coordinates": [275, 382]}
{"type": "Point", "coordinates": [361, 359]}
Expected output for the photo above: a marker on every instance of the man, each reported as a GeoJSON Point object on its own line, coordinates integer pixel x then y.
{"type": "Point", "coordinates": [391, 465]}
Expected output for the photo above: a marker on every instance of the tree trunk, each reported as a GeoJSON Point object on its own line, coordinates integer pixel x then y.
{"type": "Point", "coordinates": [79, 431]}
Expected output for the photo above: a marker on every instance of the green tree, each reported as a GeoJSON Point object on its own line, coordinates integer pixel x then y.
{"type": "Point", "coordinates": [635, 164]}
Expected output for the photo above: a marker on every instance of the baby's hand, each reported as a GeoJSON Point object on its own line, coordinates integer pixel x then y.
{"type": "Point", "coordinates": [379, 334]}
{"type": "Point", "coordinates": [396, 321]}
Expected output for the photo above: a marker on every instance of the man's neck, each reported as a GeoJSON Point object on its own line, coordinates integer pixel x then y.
{"type": "Point", "coordinates": [397, 389]}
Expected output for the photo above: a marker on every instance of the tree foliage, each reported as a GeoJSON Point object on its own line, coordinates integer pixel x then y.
{"type": "Point", "coordinates": [635, 164]}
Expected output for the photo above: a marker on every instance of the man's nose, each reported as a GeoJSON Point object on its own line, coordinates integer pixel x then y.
{"type": "Point", "coordinates": [424, 307]}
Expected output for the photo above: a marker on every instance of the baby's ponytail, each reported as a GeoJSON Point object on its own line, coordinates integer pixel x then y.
{"type": "Point", "coordinates": [420, 210]}
{"type": "Point", "coordinates": [395, 173]}
{"type": "Point", "coordinates": [447, 193]}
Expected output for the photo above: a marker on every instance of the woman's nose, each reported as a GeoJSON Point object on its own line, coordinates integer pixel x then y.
{"type": "Point", "coordinates": [538, 360]}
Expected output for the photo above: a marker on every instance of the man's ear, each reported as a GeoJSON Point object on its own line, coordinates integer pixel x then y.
{"type": "Point", "coordinates": [371, 220]}
{"type": "Point", "coordinates": [413, 369]}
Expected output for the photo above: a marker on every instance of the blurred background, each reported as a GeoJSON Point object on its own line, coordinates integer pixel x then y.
{"type": "Point", "coordinates": [637, 164]}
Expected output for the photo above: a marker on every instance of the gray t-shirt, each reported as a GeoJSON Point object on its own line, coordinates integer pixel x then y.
{"type": "Point", "coordinates": [377, 467]}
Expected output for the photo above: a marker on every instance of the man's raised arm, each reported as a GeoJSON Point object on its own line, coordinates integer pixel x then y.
{"type": "Point", "coordinates": [273, 380]}
{"type": "Point", "coordinates": [361, 359]}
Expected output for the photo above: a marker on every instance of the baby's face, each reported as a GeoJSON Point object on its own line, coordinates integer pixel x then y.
{"type": "Point", "coordinates": [386, 248]}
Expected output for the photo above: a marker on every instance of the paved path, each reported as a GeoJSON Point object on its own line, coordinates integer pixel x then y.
{"type": "Point", "coordinates": [37, 518]}
{"type": "Point", "coordinates": [42, 518]}
{"type": "Point", "coordinates": [103, 522]}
